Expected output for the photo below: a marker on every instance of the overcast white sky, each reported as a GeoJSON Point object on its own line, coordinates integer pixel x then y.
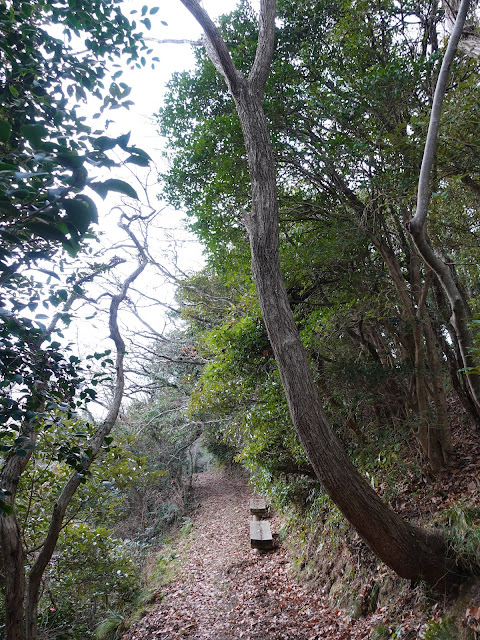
{"type": "Point", "coordinates": [148, 87]}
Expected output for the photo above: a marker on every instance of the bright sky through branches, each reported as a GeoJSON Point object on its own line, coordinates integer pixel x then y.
{"type": "Point", "coordinates": [148, 88]}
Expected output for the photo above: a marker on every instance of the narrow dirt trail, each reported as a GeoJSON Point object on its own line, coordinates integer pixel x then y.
{"type": "Point", "coordinates": [224, 590]}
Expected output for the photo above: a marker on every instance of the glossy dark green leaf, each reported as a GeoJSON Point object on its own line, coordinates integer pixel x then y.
{"type": "Point", "coordinates": [34, 133]}
{"type": "Point", "coordinates": [6, 507]}
{"type": "Point", "coordinates": [141, 161]}
{"type": "Point", "coordinates": [70, 159]}
{"type": "Point", "coordinates": [81, 212]}
{"type": "Point", "coordinates": [122, 141]}
{"type": "Point", "coordinates": [5, 131]}
{"type": "Point", "coordinates": [48, 232]}
{"type": "Point", "coordinates": [104, 143]}
{"type": "Point", "coordinates": [120, 186]}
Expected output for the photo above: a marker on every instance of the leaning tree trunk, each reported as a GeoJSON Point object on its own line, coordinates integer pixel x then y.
{"type": "Point", "coordinates": [12, 553]}
{"type": "Point", "coordinates": [13, 564]}
{"type": "Point", "coordinates": [94, 447]}
{"type": "Point", "coordinates": [433, 436]}
{"type": "Point", "coordinates": [417, 225]}
{"type": "Point", "coordinates": [413, 553]}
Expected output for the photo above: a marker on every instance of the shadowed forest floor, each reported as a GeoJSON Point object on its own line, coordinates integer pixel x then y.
{"type": "Point", "coordinates": [224, 590]}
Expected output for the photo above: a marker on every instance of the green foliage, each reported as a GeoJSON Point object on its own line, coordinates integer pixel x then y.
{"type": "Point", "coordinates": [444, 629]}
{"type": "Point", "coordinates": [46, 153]}
{"type": "Point", "coordinates": [186, 528]}
{"type": "Point", "coordinates": [165, 566]}
{"type": "Point", "coordinates": [46, 146]}
{"type": "Point", "coordinates": [165, 437]}
{"type": "Point", "coordinates": [106, 569]}
{"type": "Point", "coordinates": [381, 632]}
{"type": "Point", "coordinates": [108, 629]}
{"type": "Point", "coordinates": [348, 101]}
{"type": "Point", "coordinates": [241, 389]}
{"type": "Point", "coordinates": [461, 526]}
{"type": "Point", "coordinates": [201, 124]}
{"type": "Point", "coordinates": [331, 206]}
{"type": "Point", "coordinates": [88, 553]}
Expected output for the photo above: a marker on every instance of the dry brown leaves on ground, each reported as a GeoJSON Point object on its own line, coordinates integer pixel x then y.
{"type": "Point", "coordinates": [224, 590]}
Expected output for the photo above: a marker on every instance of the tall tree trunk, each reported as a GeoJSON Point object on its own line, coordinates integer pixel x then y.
{"type": "Point", "coordinates": [440, 434]}
{"type": "Point", "coordinates": [12, 553]}
{"type": "Point", "coordinates": [413, 553]}
{"type": "Point", "coordinates": [433, 436]}
{"type": "Point", "coordinates": [417, 225]}
{"type": "Point", "coordinates": [452, 354]}
{"type": "Point", "coordinates": [13, 564]}
{"type": "Point", "coordinates": [403, 548]}
{"type": "Point", "coordinates": [94, 445]}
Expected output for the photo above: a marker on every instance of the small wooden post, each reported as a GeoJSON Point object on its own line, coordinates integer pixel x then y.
{"type": "Point", "coordinates": [260, 534]}
{"type": "Point", "coordinates": [258, 508]}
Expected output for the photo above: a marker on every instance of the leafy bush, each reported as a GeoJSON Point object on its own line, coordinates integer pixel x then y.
{"type": "Point", "coordinates": [91, 574]}
{"type": "Point", "coordinates": [108, 629]}
{"type": "Point", "coordinates": [461, 524]}
{"type": "Point", "coordinates": [444, 629]}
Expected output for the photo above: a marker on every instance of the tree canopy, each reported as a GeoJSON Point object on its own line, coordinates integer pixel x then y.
{"type": "Point", "coordinates": [317, 334]}
{"type": "Point", "coordinates": [341, 107]}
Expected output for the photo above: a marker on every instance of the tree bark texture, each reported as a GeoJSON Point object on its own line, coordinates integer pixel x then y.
{"type": "Point", "coordinates": [433, 431]}
{"type": "Point", "coordinates": [413, 553]}
{"type": "Point", "coordinates": [12, 554]}
{"type": "Point", "coordinates": [470, 38]}
{"type": "Point", "coordinates": [13, 566]}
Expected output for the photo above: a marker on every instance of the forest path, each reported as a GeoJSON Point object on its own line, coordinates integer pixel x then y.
{"type": "Point", "coordinates": [224, 590]}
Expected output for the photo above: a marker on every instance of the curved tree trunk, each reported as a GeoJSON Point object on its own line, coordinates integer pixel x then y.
{"type": "Point", "coordinates": [413, 553]}
{"type": "Point", "coordinates": [417, 225]}
{"type": "Point", "coordinates": [94, 446]}
{"type": "Point", "coordinates": [13, 565]}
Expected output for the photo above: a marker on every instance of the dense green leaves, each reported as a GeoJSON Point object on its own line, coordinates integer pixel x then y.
{"type": "Point", "coordinates": [46, 154]}
{"type": "Point", "coordinates": [46, 147]}
{"type": "Point", "coordinates": [54, 56]}
{"type": "Point", "coordinates": [348, 101]}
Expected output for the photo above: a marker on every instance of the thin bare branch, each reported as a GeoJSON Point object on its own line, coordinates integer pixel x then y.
{"type": "Point", "coordinates": [94, 444]}
{"type": "Point", "coordinates": [423, 195]}
{"type": "Point", "coordinates": [216, 47]}
{"type": "Point", "coordinates": [193, 43]}
{"type": "Point", "coordinates": [265, 47]}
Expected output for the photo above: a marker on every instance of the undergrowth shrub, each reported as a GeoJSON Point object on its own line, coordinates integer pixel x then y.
{"type": "Point", "coordinates": [109, 628]}
{"type": "Point", "coordinates": [92, 574]}
{"type": "Point", "coordinates": [444, 629]}
{"type": "Point", "coordinates": [461, 528]}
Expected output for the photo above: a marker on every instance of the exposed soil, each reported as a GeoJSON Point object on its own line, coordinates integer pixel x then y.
{"type": "Point", "coordinates": [225, 590]}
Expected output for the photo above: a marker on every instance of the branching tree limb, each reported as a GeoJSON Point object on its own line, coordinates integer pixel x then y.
{"type": "Point", "coordinates": [216, 47]}
{"type": "Point", "coordinates": [469, 41]}
{"type": "Point", "coordinates": [424, 192]}
{"type": "Point", "coordinates": [93, 447]}
{"type": "Point", "coordinates": [413, 553]}
{"type": "Point", "coordinates": [417, 225]}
